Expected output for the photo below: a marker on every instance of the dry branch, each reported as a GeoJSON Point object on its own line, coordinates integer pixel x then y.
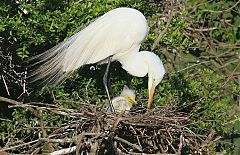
{"type": "Point", "coordinates": [10, 101]}
{"type": "Point", "coordinates": [169, 19]}
{"type": "Point", "coordinates": [153, 132]}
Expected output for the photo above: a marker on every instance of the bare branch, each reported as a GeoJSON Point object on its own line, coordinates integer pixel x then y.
{"type": "Point", "coordinates": [64, 151]}
{"type": "Point", "coordinates": [128, 143]}
{"type": "Point", "coordinates": [226, 10]}
{"type": "Point", "coordinates": [169, 19]}
{"type": "Point", "coordinates": [18, 146]}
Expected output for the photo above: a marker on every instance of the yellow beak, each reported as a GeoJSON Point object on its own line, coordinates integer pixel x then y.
{"type": "Point", "coordinates": [151, 93]}
{"type": "Point", "coordinates": [132, 100]}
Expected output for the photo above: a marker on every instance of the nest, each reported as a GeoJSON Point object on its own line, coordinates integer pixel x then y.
{"type": "Point", "coordinates": [159, 131]}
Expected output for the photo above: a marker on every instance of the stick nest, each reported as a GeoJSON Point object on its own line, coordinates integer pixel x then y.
{"type": "Point", "coordinates": [159, 131]}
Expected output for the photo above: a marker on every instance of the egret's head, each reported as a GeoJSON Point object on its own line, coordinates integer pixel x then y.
{"type": "Point", "coordinates": [129, 95]}
{"type": "Point", "coordinates": [156, 72]}
{"type": "Point", "coordinates": [144, 63]}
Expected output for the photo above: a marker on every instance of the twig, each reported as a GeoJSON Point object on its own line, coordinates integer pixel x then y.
{"type": "Point", "coordinates": [54, 110]}
{"type": "Point", "coordinates": [79, 142]}
{"type": "Point", "coordinates": [10, 101]}
{"type": "Point", "coordinates": [202, 29]}
{"type": "Point", "coordinates": [229, 77]}
{"type": "Point", "coordinates": [18, 146]}
{"type": "Point", "coordinates": [64, 151]}
{"type": "Point", "coordinates": [238, 96]}
{"type": "Point", "coordinates": [50, 136]}
{"type": "Point", "coordinates": [196, 64]}
{"type": "Point", "coordinates": [139, 143]}
{"type": "Point", "coordinates": [226, 10]}
{"type": "Point", "coordinates": [128, 143]}
{"type": "Point", "coordinates": [180, 145]}
{"type": "Point", "coordinates": [44, 133]}
{"type": "Point", "coordinates": [65, 140]}
{"type": "Point", "coordinates": [71, 101]}
{"type": "Point", "coordinates": [135, 153]}
{"type": "Point", "coordinates": [117, 120]}
{"type": "Point", "coordinates": [5, 84]}
{"type": "Point", "coordinates": [170, 16]}
{"type": "Point", "coordinates": [170, 143]}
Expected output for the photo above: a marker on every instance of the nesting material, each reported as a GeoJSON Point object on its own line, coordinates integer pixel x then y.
{"type": "Point", "coordinates": [158, 131]}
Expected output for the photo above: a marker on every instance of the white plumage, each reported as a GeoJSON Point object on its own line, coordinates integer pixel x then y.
{"type": "Point", "coordinates": [125, 101]}
{"type": "Point", "coordinates": [118, 33]}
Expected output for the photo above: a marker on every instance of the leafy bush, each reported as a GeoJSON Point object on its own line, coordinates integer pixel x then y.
{"type": "Point", "coordinates": [205, 91]}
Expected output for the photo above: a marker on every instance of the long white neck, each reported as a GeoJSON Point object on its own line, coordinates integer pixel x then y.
{"type": "Point", "coordinates": [142, 63]}
{"type": "Point", "coordinates": [135, 64]}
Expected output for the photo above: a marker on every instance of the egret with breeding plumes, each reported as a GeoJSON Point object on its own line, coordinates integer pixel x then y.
{"type": "Point", "coordinates": [115, 36]}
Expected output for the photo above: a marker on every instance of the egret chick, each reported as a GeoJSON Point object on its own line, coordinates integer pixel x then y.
{"type": "Point", "coordinates": [125, 101]}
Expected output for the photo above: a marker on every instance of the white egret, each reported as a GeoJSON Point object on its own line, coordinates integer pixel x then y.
{"type": "Point", "coordinates": [125, 101]}
{"type": "Point", "coordinates": [115, 36]}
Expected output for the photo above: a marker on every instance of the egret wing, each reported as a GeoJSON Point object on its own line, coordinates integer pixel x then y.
{"type": "Point", "coordinates": [113, 34]}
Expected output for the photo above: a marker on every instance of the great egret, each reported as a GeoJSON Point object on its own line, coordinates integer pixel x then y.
{"type": "Point", "coordinates": [115, 36]}
{"type": "Point", "coordinates": [125, 101]}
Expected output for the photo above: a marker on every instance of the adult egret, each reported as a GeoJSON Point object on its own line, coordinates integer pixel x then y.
{"type": "Point", "coordinates": [125, 101]}
{"type": "Point", "coordinates": [115, 36]}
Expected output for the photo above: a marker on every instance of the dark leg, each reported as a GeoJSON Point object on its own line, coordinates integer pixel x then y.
{"type": "Point", "coordinates": [110, 89]}
{"type": "Point", "coordinates": [105, 82]}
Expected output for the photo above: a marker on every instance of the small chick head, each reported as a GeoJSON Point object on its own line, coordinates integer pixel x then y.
{"type": "Point", "coordinates": [125, 101]}
{"type": "Point", "coordinates": [121, 104]}
{"type": "Point", "coordinates": [128, 94]}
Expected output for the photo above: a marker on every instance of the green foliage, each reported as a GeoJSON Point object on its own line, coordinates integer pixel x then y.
{"type": "Point", "coordinates": [200, 91]}
{"type": "Point", "coordinates": [18, 126]}
{"type": "Point", "coordinates": [201, 95]}
{"type": "Point", "coordinates": [175, 38]}
{"type": "Point", "coordinates": [223, 17]}
{"type": "Point", "coordinates": [47, 23]}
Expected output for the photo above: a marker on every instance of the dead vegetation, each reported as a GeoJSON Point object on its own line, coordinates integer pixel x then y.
{"type": "Point", "coordinates": [158, 131]}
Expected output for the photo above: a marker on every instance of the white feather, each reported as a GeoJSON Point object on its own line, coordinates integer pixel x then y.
{"type": "Point", "coordinates": [122, 103]}
{"type": "Point", "coordinates": [116, 33]}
